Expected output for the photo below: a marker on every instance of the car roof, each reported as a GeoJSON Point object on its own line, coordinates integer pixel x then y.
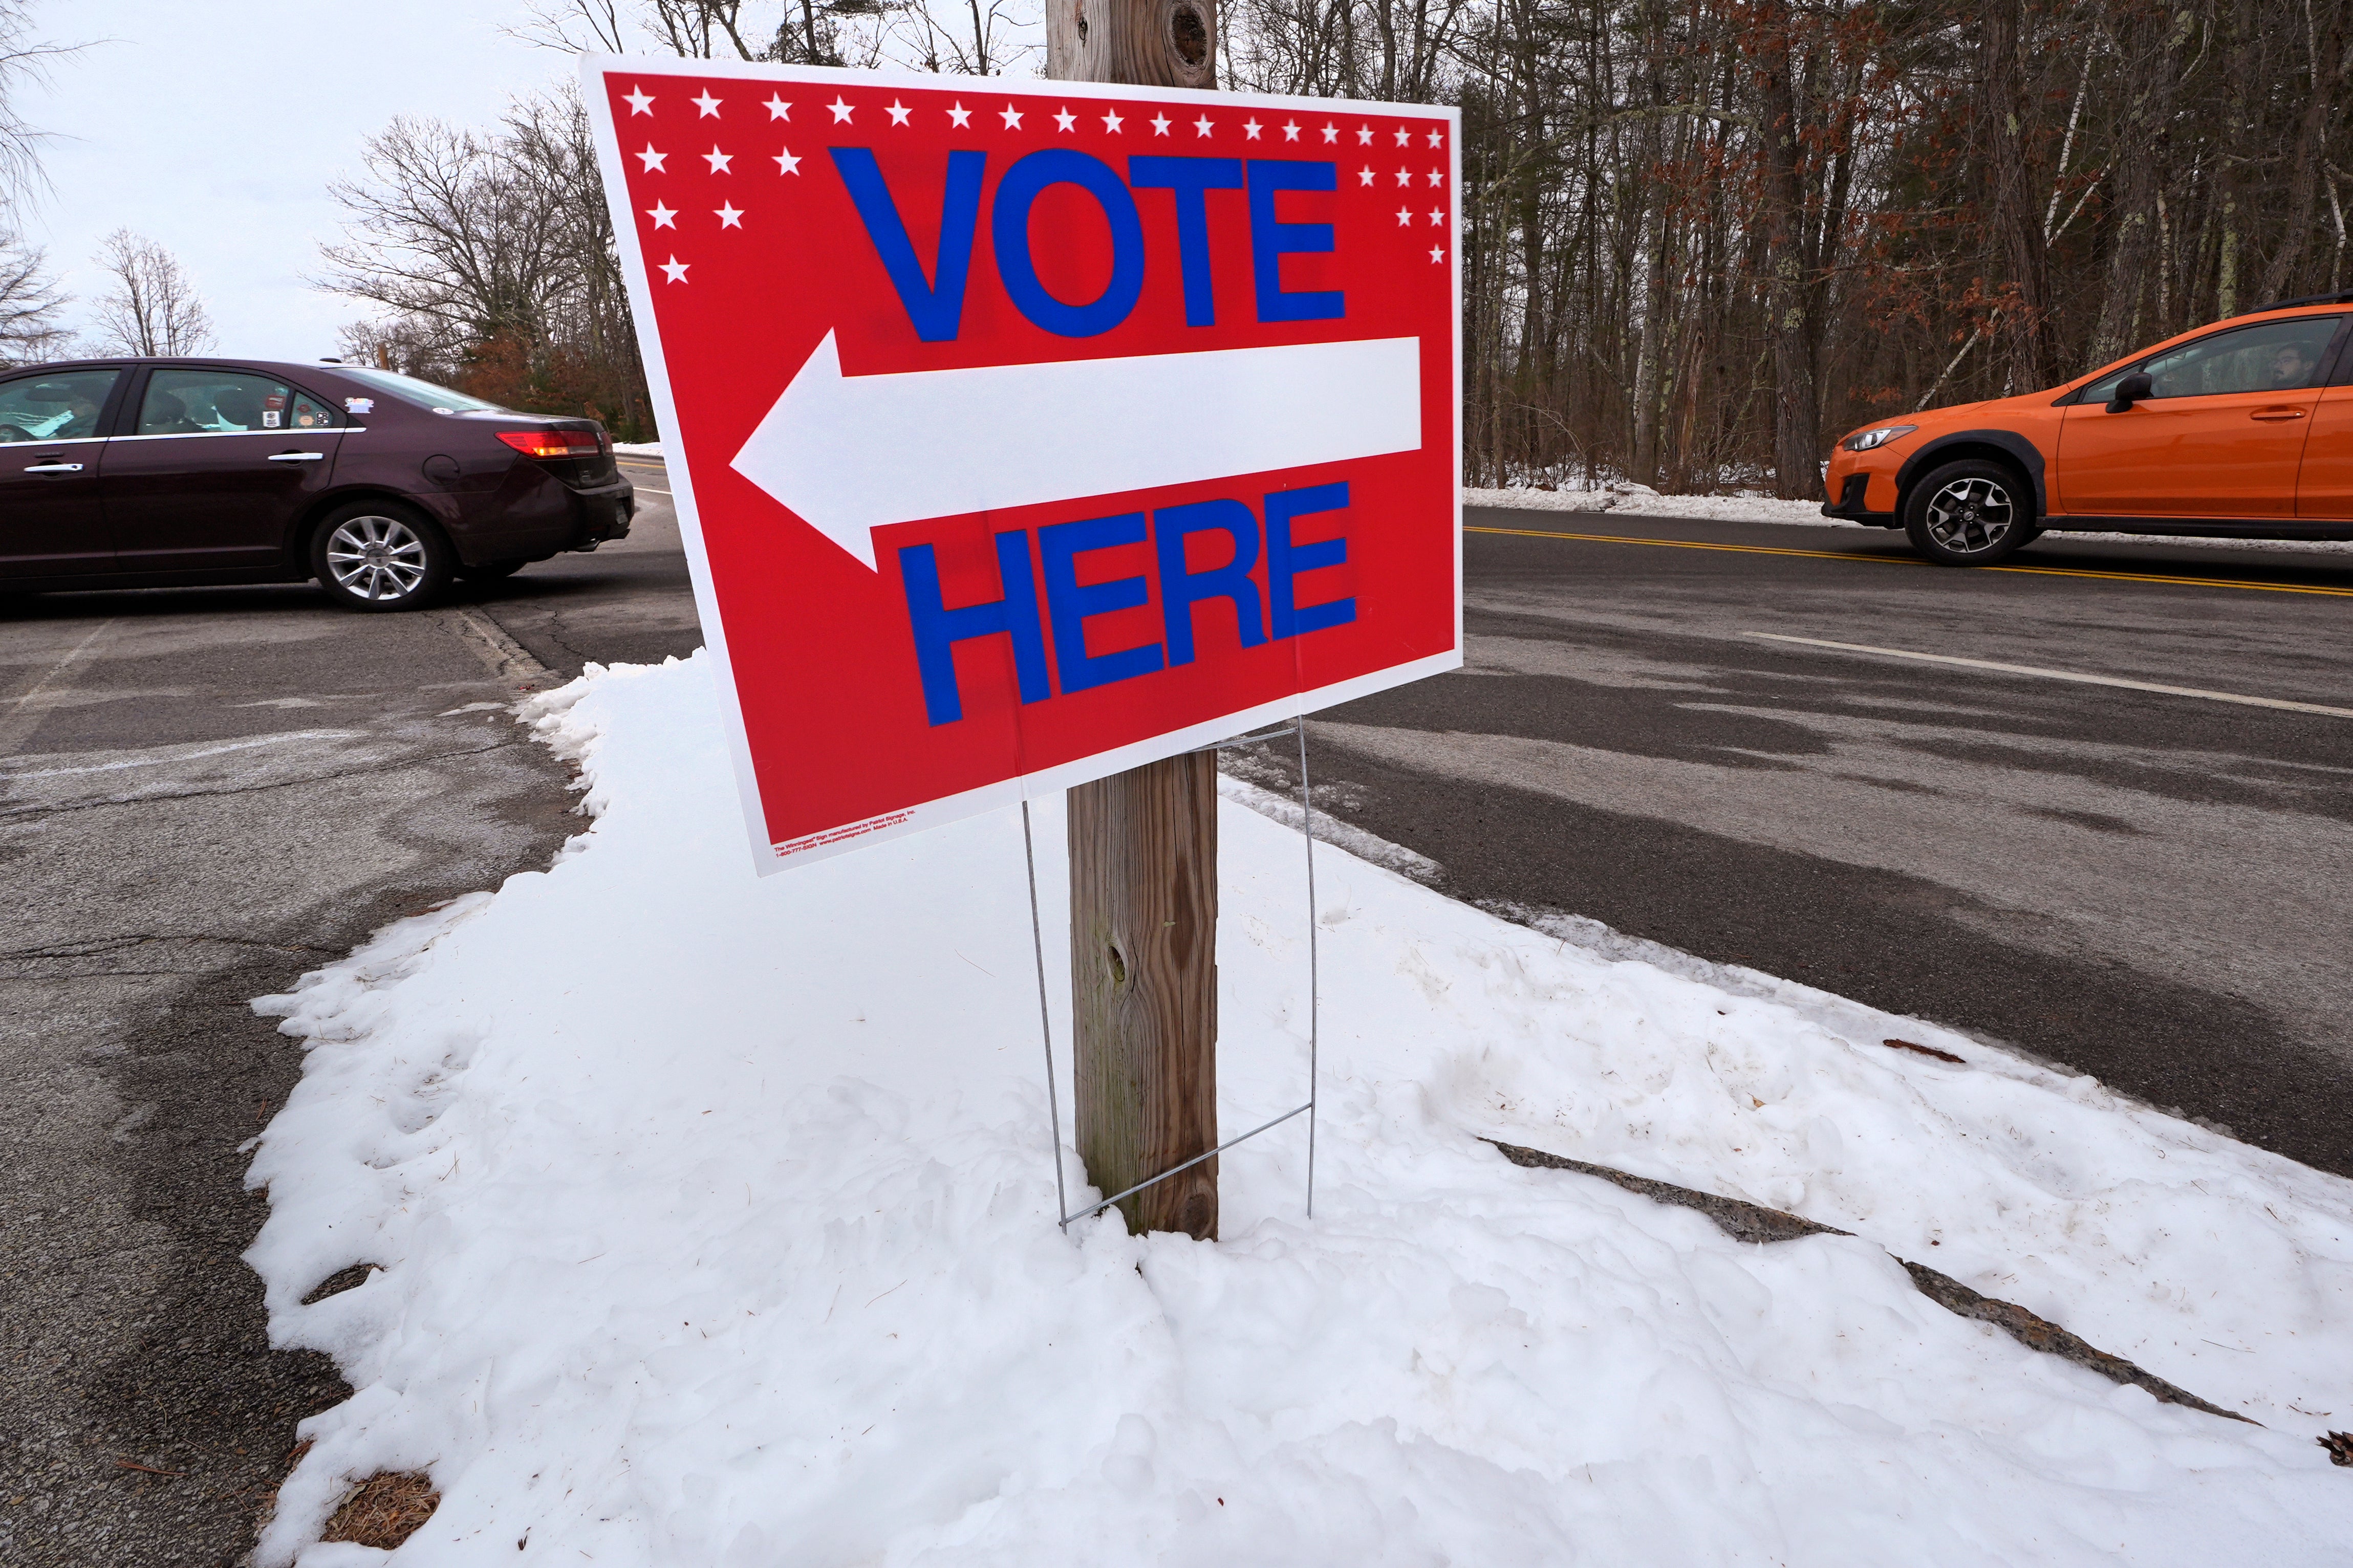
{"type": "Point", "coordinates": [207, 361]}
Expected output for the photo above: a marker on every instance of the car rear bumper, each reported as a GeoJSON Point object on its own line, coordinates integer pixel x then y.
{"type": "Point", "coordinates": [604, 514]}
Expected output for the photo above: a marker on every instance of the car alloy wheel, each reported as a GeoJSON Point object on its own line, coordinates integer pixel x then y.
{"type": "Point", "coordinates": [376, 558]}
{"type": "Point", "coordinates": [1971, 516]}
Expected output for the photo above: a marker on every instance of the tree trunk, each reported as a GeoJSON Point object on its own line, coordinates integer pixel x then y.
{"type": "Point", "coordinates": [2017, 218]}
{"type": "Point", "coordinates": [1797, 457]}
{"type": "Point", "coordinates": [1144, 844]}
{"type": "Point", "coordinates": [2328, 46]}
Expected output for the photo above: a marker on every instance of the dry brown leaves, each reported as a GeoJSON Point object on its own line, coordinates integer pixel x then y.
{"type": "Point", "coordinates": [385, 1510]}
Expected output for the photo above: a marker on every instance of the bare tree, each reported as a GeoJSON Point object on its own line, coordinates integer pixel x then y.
{"type": "Point", "coordinates": [30, 303]}
{"type": "Point", "coordinates": [963, 37]}
{"type": "Point", "coordinates": [24, 59]}
{"type": "Point", "coordinates": [491, 260]}
{"type": "Point", "coordinates": [151, 306]}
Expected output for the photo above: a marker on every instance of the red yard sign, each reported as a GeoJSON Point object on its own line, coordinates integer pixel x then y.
{"type": "Point", "coordinates": [1025, 432]}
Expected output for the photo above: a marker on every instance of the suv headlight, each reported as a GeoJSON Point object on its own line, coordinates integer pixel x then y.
{"type": "Point", "coordinates": [1877, 436]}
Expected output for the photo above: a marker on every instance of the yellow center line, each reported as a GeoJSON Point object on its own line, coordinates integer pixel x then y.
{"type": "Point", "coordinates": [1915, 561]}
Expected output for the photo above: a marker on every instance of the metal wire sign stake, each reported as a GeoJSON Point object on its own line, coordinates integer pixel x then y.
{"type": "Point", "coordinates": [1314, 1001]}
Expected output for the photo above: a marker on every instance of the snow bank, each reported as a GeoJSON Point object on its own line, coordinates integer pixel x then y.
{"type": "Point", "coordinates": [639, 449]}
{"type": "Point", "coordinates": [1641, 501]}
{"type": "Point", "coordinates": [716, 1220]}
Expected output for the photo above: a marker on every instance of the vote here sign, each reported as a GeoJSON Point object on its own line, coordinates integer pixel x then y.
{"type": "Point", "coordinates": [1023, 432]}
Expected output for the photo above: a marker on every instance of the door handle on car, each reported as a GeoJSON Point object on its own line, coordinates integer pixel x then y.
{"type": "Point", "coordinates": [298, 456]}
{"type": "Point", "coordinates": [54, 469]}
{"type": "Point", "coordinates": [2277, 414]}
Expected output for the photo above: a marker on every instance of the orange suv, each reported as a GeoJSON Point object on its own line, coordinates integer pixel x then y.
{"type": "Point", "coordinates": [2239, 430]}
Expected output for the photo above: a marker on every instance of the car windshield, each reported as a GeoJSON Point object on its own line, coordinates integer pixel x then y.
{"type": "Point", "coordinates": [422, 394]}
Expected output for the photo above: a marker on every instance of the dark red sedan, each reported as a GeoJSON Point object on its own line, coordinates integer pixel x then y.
{"type": "Point", "coordinates": [149, 472]}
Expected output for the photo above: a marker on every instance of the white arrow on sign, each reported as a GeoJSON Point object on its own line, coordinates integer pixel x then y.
{"type": "Point", "coordinates": [852, 454]}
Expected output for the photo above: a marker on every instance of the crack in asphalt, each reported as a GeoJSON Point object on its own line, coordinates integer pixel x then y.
{"type": "Point", "coordinates": [37, 813]}
{"type": "Point", "coordinates": [98, 945]}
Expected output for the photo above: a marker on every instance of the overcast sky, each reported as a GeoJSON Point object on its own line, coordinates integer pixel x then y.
{"type": "Point", "coordinates": [213, 128]}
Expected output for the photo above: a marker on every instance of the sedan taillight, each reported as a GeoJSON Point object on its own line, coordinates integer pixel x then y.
{"type": "Point", "coordinates": [553, 443]}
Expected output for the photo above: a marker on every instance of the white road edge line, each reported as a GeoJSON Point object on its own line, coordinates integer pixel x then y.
{"type": "Point", "coordinates": [2062, 675]}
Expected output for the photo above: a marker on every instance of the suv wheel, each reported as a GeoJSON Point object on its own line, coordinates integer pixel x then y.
{"type": "Point", "coordinates": [1969, 513]}
{"type": "Point", "coordinates": [380, 555]}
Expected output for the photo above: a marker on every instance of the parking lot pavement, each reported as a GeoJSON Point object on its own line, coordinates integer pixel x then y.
{"type": "Point", "coordinates": [203, 794]}
{"type": "Point", "coordinates": [2149, 888]}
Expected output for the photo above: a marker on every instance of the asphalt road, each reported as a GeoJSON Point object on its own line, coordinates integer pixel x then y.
{"type": "Point", "coordinates": [2154, 889]}
{"type": "Point", "coordinates": [203, 794]}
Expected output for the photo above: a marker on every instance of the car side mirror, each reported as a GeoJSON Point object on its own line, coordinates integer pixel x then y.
{"type": "Point", "coordinates": [2129, 390]}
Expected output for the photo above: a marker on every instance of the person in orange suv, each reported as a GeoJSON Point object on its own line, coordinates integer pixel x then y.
{"type": "Point", "coordinates": [2242, 430]}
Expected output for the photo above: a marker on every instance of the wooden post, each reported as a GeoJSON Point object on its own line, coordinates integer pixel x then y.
{"type": "Point", "coordinates": [1144, 844]}
{"type": "Point", "coordinates": [1145, 43]}
{"type": "Point", "coordinates": [1143, 986]}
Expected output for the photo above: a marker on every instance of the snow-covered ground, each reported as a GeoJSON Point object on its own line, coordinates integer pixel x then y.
{"type": "Point", "coordinates": [715, 1218]}
{"type": "Point", "coordinates": [1640, 501]}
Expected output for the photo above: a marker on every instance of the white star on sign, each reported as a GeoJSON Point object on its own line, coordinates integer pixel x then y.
{"type": "Point", "coordinates": [717, 160]}
{"type": "Point", "coordinates": [1365, 175]}
{"type": "Point", "coordinates": [960, 115]}
{"type": "Point", "coordinates": [653, 159]}
{"type": "Point", "coordinates": [730, 216]}
{"type": "Point", "coordinates": [707, 104]}
{"type": "Point", "coordinates": [676, 268]}
{"type": "Point", "coordinates": [1405, 176]}
{"type": "Point", "coordinates": [1405, 137]}
{"type": "Point", "coordinates": [778, 108]}
{"type": "Point", "coordinates": [1404, 216]}
{"type": "Point", "coordinates": [1011, 116]}
{"type": "Point", "coordinates": [1438, 216]}
{"type": "Point", "coordinates": [1291, 130]}
{"type": "Point", "coordinates": [1437, 177]}
{"type": "Point", "coordinates": [787, 164]}
{"type": "Point", "coordinates": [1251, 130]}
{"type": "Point", "coordinates": [1202, 126]}
{"type": "Point", "coordinates": [1111, 123]}
{"type": "Point", "coordinates": [1160, 125]}
{"type": "Point", "coordinates": [640, 102]}
{"type": "Point", "coordinates": [1064, 118]}
{"type": "Point", "coordinates": [1437, 255]}
{"type": "Point", "coordinates": [899, 112]}
{"type": "Point", "coordinates": [1331, 133]}
{"type": "Point", "coordinates": [1437, 139]}
{"type": "Point", "coordinates": [842, 111]}
{"type": "Point", "coordinates": [1364, 135]}
{"type": "Point", "coordinates": [663, 216]}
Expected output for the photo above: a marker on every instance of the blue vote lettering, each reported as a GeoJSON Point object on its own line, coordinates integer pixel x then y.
{"type": "Point", "coordinates": [933, 305]}
{"type": "Point", "coordinates": [936, 628]}
{"type": "Point", "coordinates": [1270, 241]}
{"type": "Point", "coordinates": [935, 300]}
{"type": "Point", "coordinates": [1008, 223]}
{"type": "Point", "coordinates": [1190, 180]}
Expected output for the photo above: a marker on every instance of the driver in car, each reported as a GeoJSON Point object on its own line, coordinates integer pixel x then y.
{"type": "Point", "coordinates": [2290, 368]}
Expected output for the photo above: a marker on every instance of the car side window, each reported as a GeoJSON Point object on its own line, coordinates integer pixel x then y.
{"type": "Point", "coordinates": [61, 406]}
{"type": "Point", "coordinates": [310, 413]}
{"type": "Point", "coordinates": [213, 403]}
{"type": "Point", "coordinates": [2275, 356]}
